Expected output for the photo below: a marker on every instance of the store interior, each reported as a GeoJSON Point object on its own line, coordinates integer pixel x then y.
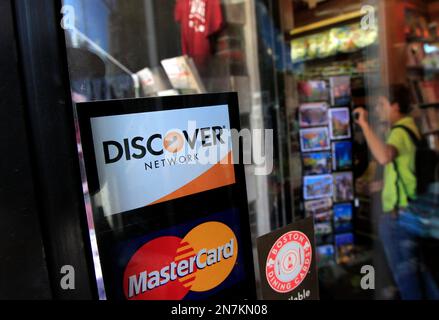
{"type": "Point", "coordinates": [341, 58]}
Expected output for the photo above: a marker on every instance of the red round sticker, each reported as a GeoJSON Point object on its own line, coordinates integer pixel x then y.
{"type": "Point", "coordinates": [288, 262]}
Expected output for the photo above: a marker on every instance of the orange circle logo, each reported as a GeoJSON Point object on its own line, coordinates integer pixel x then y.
{"type": "Point", "coordinates": [173, 142]}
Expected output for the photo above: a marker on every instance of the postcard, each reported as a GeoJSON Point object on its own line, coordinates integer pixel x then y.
{"type": "Point", "coordinates": [323, 228]}
{"type": "Point", "coordinates": [315, 139]}
{"type": "Point", "coordinates": [325, 255]}
{"type": "Point", "coordinates": [344, 239]}
{"type": "Point", "coordinates": [345, 248]}
{"type": "Point", "coordinates": [340, 123]}
{"type": "Point", "coordinates": [313, 115]}
{"type": "Point", "coordinates": [341, 93]}
{"type": "Point", "coordinates": [343, 187]}
{"type": "Point", "coordinates": [317, 206]}
{"type": "Point", "coordinates": [313, 91]}
{"type": "Point", "coordinates": [323, 217]}
{"type": "Point", "coordinates": [317, 163]}
{"type": "Point", "coordinates": [324, 233]}
{"type": "Point", "coordinates": [342, 155]}
{"type": "Point", "coordinates": [343, 214]}
{"type": "Point", "coordinates": [317, 187]}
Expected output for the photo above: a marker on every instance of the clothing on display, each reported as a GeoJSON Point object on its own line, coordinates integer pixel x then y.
{"type": "Point", "coordinates": [199, 19]}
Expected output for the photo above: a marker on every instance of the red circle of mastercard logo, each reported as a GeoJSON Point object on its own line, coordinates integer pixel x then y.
{"type": "Point", "coordinates": [167, 268]}
{"type": "Point", "coordinates": [288, 262]}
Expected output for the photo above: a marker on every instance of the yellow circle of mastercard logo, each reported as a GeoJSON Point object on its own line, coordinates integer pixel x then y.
{"type": "Point", "coordinates": [216, 248]}
{"type": "Point", "coordinates": [173, 142]}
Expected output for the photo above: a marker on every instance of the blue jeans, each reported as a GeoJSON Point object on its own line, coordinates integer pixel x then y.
{"type": "Point", "coordinates": [402, 252]}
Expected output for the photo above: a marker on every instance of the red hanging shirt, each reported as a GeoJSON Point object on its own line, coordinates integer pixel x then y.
{"type": "Point", "coordinates": [199, 19]}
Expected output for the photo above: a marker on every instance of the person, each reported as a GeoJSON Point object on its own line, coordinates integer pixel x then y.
{"type": "Point", "coordinates": [397, 155]}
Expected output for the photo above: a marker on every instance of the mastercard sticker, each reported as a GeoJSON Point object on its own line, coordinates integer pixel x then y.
{"type": "Point", "coordinates": [190, 261]}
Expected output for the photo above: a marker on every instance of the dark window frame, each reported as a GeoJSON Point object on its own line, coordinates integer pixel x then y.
{"type": "Point", "coordinates": [53, 148]}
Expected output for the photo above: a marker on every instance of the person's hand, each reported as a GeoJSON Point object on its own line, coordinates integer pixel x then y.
{"type": "Point", "coordinates": [363, 116]}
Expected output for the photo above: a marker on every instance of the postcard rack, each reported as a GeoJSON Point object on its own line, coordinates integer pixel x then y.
{"type": "Point", "coordinates": [326, 143]}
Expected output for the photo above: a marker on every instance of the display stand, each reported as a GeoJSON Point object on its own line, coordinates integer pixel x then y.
{"type": "Point", "coordinates": [328, 181]}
